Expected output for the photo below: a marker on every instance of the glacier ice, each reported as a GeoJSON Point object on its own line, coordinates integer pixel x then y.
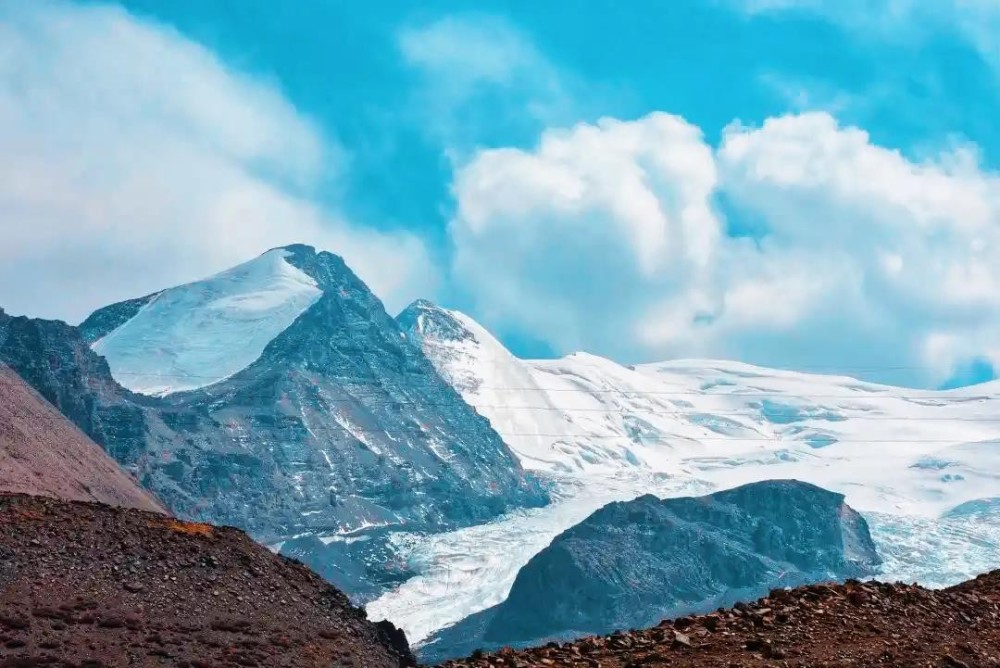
{"type": "Point", "coordinates": [603, 431]}
{"type": "Point", "coordinates": [197, 334]}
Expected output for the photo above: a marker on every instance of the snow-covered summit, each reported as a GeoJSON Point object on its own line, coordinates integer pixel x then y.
{"type": "Point", "coordinates": [196, 334]}
{"type": "Point", "coordinates": [888, 448]}
{"type": "Point", "coordinates": [424, 320]}
{"type": "Point", "coordinates": [302, 393]}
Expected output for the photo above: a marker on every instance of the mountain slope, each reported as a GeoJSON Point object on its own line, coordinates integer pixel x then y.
{"type": "Point", "coordinates": [41, 452]}
{"type": "Point", "coordinates": [336, 433]}
{"type": "Point", "coordinates": [631, 564]}
{"type": "Point", "coordinates": [56, 361]}
{"type": "Point", "coordinates": [83, 584]}
{"type": "Point", "coordinates": [197, 334]}
{"type": "Point", "coordinates": [104, 320]}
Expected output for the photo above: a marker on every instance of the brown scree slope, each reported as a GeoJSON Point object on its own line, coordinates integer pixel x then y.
{"type": "Point", "coordinates": [87, 585]}
{"type": "Point", "coordinates": [854, 625]}
{"type": "Point", "coordinates": [41, 452]}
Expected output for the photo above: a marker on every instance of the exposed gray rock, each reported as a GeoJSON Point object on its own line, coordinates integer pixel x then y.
{"type": "Point", "coordinates": [104, 320]}
{"type": "Point", "coordinates": [341, 429]}
{"type": "Point", "coordinates": [632, 564]}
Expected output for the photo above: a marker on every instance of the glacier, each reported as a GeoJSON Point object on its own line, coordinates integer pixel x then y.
{"type": "Point", "coordinates": [197, 334]}
{"type": "Point", "coordinates": [603, 431]}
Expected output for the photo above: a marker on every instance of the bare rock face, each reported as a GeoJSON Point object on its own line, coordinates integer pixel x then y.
{"type": "Point", "coordinates": [41, 452]}
{"type": "Point", "coordinates": [84, 584]}
{"type": "Point", "coordinates": [631, 564]}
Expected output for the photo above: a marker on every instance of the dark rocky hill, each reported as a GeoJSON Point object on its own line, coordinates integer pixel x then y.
{"type": "Point", "coordinates": [634, 563]}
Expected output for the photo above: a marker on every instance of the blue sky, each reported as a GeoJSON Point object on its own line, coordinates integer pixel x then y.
{"type": "Point", "coordinates": [796, 183]}
{"type": "Point", "coordinates": [342, 64]}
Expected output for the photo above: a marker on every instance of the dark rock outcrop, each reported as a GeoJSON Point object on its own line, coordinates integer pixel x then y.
{"type": "Point", "coordinates": [634, 563]}
{"type": "Point", "coordinates": [56, 361]}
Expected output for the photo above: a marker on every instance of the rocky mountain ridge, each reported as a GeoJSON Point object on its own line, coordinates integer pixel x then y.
{"type": "Point", "coordinates": [633, 563]}
{"type": "Point", "coordinates": [41, 452]}
{"type": "Point", "coordinates": [338, 432]}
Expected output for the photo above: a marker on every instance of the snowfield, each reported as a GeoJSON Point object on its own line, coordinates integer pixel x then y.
{"type": "Point", "coordinates": [197, 334]}
{"type": "Point", "coordinates": [904, 458]}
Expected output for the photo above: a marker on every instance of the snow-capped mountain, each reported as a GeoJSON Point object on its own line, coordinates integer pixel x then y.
{"type": "Point", "coordinates": [606, 432]}
{"type": "Point", "coordinates": [726, 422]}
{"type": "Point", "coordinates": [195, 335]}
{"type": "Point", "coordinates": [306, 418]}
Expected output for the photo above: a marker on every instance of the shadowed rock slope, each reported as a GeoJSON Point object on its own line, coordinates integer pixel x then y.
{"type": "Point", "coordinates": [631, 564]}
{"type": "Point", "coordinates": [818, 626]}
{"type": "Point", "coordinates": [41, 452]}
{"type": "Point", "coordinates": [84, 584]}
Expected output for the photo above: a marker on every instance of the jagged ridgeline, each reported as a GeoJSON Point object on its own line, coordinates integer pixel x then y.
{"type": "Point", "coordinates": [281, 398]}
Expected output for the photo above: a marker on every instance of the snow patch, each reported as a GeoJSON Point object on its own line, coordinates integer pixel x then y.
{"type": "Point", "coordinates": [197, 334]}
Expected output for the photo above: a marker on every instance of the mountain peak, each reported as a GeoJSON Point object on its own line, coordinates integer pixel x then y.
{"type": "Point", "coordinates": [423, 305]}
{"type": "Point", "coordinates": [299, 255]}
{"type": "Point", "coordinates": [196, 334]}
{"type": "Point", "coordinates": [425, 320]}
{"type": "Point", "coordinates": [297, 249]}
{"type": "Point", "coordinates": [209, 329]}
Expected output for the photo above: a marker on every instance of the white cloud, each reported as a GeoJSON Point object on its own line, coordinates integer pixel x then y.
{"type": "Point", "coordinates": [608, 237]}
{"type": "Point", "coordinates": [586, 225]}
{"type": "Point", "coordinates": [132, 158]}
{"type": "Point", "coordinates": [976, 21]}
{"type": "Point", "coordinates": [478, 72]}
{"type": "Point", "coordinates": [469, 49]}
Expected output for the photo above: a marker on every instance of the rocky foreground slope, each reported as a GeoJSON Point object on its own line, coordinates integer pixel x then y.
{"type": "Point", "coordinates": [84, 584]}
{"type": "Point", "coordinates": [41, 452]}
{"type": "Point", "coordinates": [818, 626]}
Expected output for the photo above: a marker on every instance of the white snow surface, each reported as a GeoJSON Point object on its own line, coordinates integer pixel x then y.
{"type": "Point", "coordinates": [197, 334]}
{"type": "Point", "coordinates": [606, 432]}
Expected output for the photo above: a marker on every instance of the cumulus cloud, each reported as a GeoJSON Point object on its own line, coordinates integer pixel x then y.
{"type": "Point", "coordinates": [800, 242]}
{"type": "Point", "coordinates": [594, 220]}
{"type": "Point", "coordinates": [132, 158]}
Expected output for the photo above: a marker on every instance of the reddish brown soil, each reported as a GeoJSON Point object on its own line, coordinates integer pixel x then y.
{"type": "Point", "coordinates": [41, 452]}
{"type": "Point", "coordinates": [87, 585]}
{"type": "Point", "coordinates": [854, 625]}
